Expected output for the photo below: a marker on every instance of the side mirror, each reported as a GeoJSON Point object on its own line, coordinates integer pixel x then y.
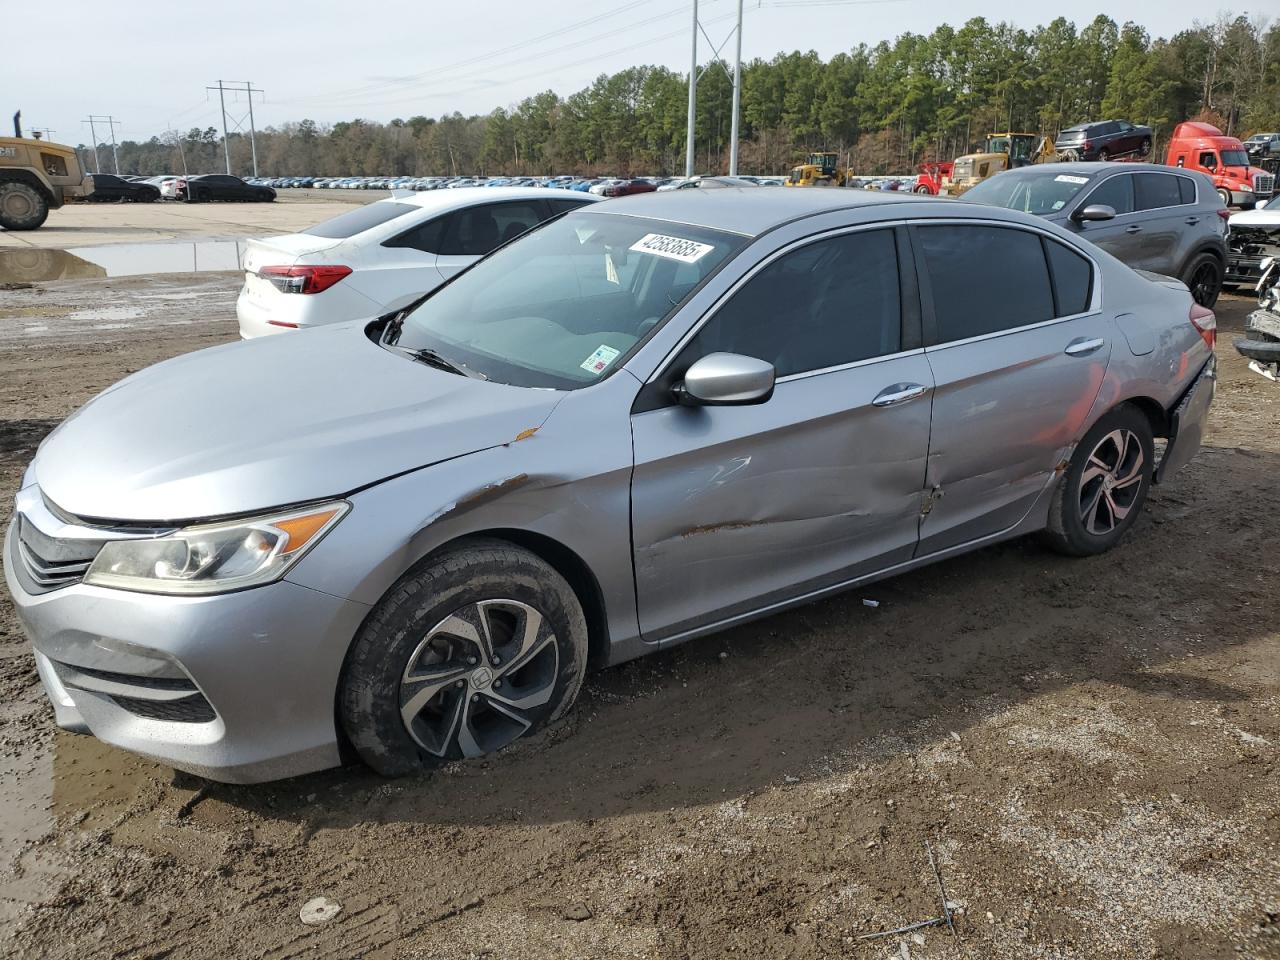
{"type": "Point", "coordinates": [725, 379]}
{"type": "Point", "coordinates": [1094, 212]}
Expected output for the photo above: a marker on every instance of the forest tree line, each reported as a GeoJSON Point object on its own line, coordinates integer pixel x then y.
{"type": "Point", "coordinates": [887, 107]}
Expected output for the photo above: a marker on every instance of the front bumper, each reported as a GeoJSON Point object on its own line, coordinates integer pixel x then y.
{"type": "Point", "coordinates": [237, 687]}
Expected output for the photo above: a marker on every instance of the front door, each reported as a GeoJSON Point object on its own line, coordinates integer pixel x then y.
{"type": "Point", "coordinates": [1123, 237]}
{"type": "Point", "coordinates": [738, 508]}
{"type": "Point", "coordinates": [1018, 352]}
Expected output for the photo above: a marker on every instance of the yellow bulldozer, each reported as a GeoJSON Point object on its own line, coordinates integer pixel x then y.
{"type": "Point", "coordinates": [819, 170]}
{"type": "Point", "coordinates": [36, 176]}
{"type": "Point", "coordinates": [1002, 151]}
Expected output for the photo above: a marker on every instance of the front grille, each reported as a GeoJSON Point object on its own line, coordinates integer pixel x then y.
{"type": "Point", "coordinates": [1264, 184]}
{"type": "Point", "coordinates": [51, 563]}
{"type": "Point", "coordinates": [193, 709]}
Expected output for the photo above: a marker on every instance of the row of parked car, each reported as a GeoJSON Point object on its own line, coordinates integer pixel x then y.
{"type": "Point", "coordinates": [601, 186]}
{"type": "Point", "coordinates": [196, 188]}
{"type": "Point", "coordinates": [646, 420]}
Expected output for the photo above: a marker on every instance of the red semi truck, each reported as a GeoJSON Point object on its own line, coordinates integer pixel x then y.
{"type": "Point", "coordinates": [1202, 146]}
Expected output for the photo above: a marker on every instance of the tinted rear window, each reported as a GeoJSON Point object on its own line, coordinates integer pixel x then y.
{"type": "Point", "coordinates": [1072, 278]}
{"type": "Point", "coordinates": [1156, 190]}
{"type": "Point", "coordinates": [359, 220]}
{"type": "Point", "coordinates": [985, 279]}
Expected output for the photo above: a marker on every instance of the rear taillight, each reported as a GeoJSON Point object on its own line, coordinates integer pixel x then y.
{"type": "Point", "coordinates": [1088, 145]}
{"type": "Point", "coordinates": [1203, 320]}
{"type": "Point", "coordinates": [304, 279]}
{"type": "Point", "coordinates": [1224, 213]}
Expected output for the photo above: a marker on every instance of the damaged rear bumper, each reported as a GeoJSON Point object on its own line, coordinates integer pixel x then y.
{"type": "Point", "coordinates": [1187, 422]}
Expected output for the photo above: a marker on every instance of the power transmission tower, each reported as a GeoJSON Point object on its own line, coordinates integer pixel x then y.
{"type": "Point", "coordinates": [695, 75]}
{"type": "Point", "coordinates": [111, 123]}
{"type": "Point", "coordinates": [248, 89]}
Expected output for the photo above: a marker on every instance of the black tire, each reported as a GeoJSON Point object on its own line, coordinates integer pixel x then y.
{"type": "Point", "coordinates": [1103, 156]}
{"type": "Point", "coordinates": [922, 189]}
{"type": "Point", "coordinates": [1203, 277]}
{"type": "Point", "coordinates": [1074, 523]}
{"type": "Point", "coordinates": [421, 627]}
{"type": "Point", "coordinates": [1144, 148]}
{"type": "Point", "coordinates": [1225, 194]}
{"type": "Point", "coordinates": [22, 206]}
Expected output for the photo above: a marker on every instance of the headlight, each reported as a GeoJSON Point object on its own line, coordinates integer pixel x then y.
{"type": "Point", "coordinates": [215, 557]}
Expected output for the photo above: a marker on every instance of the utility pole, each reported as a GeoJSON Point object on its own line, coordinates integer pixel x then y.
{"type": "Point", "coordinates": [93, 135]}
{"type": "Point", "coordinates": [693, 97]}
{"type": "Point", "coordinates": [737, 97]}
{"type": "Point", "coordinates": [181, 153]}
{"type": "Point", "coordinates": [237, 86]}
{"type": "Point", "coordinates": [111, 123]}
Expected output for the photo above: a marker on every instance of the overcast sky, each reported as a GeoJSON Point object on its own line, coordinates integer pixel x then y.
{"type": "Point", "coordinates": [380, 59]}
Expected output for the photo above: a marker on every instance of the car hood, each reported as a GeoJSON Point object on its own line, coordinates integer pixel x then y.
{"type": "Point", "coordinates": [254, 425]}
{"type": "Point", "coordinates": [1266, 218]}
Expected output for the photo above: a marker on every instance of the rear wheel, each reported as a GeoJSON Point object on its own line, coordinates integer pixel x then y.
{"type": "Point", "coordinates": [1103, 156]}
{"type": "Point", "coordinates": [1144, 148]}
{"type": "Point", "coordinates": [1105, 486]}
{"type": "Point", "coordinates": [22, 206]}
{"type": "Point", "coordinates": [1203, 277]}
{"type": "Point", "coordinates": [481, 647]}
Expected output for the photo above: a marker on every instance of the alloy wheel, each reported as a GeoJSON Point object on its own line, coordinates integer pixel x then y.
{"type": "Point", "coordinates": [1111, 481]}
{"type": "Point", "coordinates": [1204, 284]}
{"type": "Point", "coordinates": [476, 681]}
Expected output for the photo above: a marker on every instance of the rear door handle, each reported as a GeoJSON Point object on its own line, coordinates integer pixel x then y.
{"type": "Point", "coordinates": [1191, 221]}
{"type": "Point", "coordinates": [1133, 228]}
{"type": "Point", "coordinates": [899, 393]}
{"type": "Point", "coordinates": [1082, 346]}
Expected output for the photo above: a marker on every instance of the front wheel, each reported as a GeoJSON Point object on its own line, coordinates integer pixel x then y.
{"type": "Point", "coordinates": [22, 206]}
{"type": "Point", "coordinates": [480, 647]}
{"type": "Point", "coordinates": [1144, 148]}
{"type": "Point", "coordinates": [1103, 156]}
{"type": "Point", "coordinates": [1105, 485]}
{"type": "Point", "coordinates": [1203, 277]}
{"type": "Point", "coordinates": [1225, 195]}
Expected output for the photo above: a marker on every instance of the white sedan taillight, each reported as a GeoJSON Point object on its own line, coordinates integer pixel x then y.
{"type": "Point", "coordinates": [304, 279]}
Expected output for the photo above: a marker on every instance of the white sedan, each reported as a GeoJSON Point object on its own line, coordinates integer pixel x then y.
{"type": "Point", "coordinates": [384, 255]}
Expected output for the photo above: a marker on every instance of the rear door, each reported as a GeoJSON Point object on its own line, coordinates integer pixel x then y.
{"type": "Point", "coordinates": [1164, 220]}
{"type": "Point", "coordinates": [1018, 348]}
{"type": "Point", "coordinates": [738, 507]}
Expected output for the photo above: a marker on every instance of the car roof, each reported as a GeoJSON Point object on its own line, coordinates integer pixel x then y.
{"type": "Point", "coordinates": [750, 211]}
{"type": "Point", "coordinates": [1093, 169]}
{"type": "Point", "coordinates": [440, 201]}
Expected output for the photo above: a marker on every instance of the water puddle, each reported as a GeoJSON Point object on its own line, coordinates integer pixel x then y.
{"type": "Point", "coordinates": [31, 265]}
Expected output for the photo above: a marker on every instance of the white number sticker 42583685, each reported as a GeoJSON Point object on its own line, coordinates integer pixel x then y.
{"type": "Point", "coordinates": [673, 248]}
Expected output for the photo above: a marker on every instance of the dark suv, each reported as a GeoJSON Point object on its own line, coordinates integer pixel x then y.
{"type": "Point", "coordinates": [1104, 140]}
{"type": "Point", "coordinates": [1152, 217]}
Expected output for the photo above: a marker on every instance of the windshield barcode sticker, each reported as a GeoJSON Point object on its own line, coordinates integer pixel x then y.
{"type": "Point", "coordinates": [673, 248]}
{"type": "Point", "coordinates": [1066, 178]}
{"type": "Point", "coordinates": [603, 356]}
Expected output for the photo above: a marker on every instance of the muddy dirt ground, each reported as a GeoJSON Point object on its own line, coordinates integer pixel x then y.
{"type": "Point", "coordinates": [1089, 746]}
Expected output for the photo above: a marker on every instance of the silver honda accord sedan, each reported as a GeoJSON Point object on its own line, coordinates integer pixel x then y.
{"type": "Point", "coordinates": [645, 421]}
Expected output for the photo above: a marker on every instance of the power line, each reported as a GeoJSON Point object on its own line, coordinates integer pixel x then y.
{"type": "Point", "coordinates": [237, 86]}
{"type": "Point", "coordinates": [111, 123]}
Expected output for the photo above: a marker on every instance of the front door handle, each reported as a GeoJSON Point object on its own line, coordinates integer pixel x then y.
{"type": "Point", "coordinates": [899, 393]}
{"type": "Point", "coordinates": [1133, 228]}
{"type": "Point", "coordinates": [1082, 346]}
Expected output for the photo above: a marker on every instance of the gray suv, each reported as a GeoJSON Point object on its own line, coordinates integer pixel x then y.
{"type": "Point", "coordinates": [1151, 217]}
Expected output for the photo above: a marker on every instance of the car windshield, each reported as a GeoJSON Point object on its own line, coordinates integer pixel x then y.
{"type": "Point", "coordinates": [563, 306]}
{"type": "Point", "coordinates": [1235, 158]}
{"type": "Point", "coordinates": [1042, 193]}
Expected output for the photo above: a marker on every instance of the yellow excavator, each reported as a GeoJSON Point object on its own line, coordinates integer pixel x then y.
{"type": "Point", "coordinates": [820, 170]}
{"type": "Point", "coordinates": [35, 177]}
{"type": "Point", "coordinates": [1002, 151]}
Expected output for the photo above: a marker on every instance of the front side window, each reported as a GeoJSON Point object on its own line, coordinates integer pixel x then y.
{"type": "Point", "coordinates": [1156, 190]}
{"type": "Point", "coordinates": [985, 279]}
{"type": "Point", "coordinates": [564, 306]}
{"type": "Point", "coordinates": [1208, 160]}
{"type": "Point", "coordinates": [829, 303]}
{"type": "Point", "coordinates": [1114, 192]}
